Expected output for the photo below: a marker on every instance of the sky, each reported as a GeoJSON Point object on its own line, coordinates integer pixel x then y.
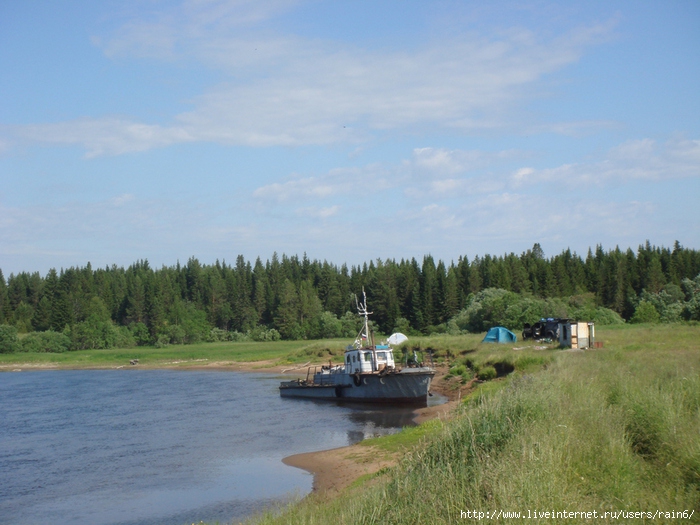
{"type": "Point", "coordinates": [349, 131]}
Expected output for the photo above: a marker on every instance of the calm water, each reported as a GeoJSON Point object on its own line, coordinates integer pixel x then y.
{"type": "Point", "coordinates": [161, 446]}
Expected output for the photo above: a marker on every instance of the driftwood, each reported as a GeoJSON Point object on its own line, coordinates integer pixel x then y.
{"type": "Point", "coordinates": [284, 370]}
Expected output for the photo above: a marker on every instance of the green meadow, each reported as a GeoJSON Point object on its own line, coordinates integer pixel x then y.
{"type": "Point", "coordinates": [267, 353]}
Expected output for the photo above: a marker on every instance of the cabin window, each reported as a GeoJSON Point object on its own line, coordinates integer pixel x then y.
{"type": "Point", "coordinates": [368, 357]}
{"type": "Point", "coordinates": [348, 359]}
{"type": "Point", "coordinates": [381, 356]}
{"type": "Point", "coordinates": [353, 358]}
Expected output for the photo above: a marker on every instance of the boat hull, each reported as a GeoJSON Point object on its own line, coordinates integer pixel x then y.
{"type": "Point", "coordinates": [406, 386]}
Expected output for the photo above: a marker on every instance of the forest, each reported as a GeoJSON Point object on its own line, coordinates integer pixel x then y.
{"type": "Point", "coordinates": [297, 298]}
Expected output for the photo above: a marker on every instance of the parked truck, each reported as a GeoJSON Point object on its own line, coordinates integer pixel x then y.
{"type": "Point", "coordinates": [544, 329]}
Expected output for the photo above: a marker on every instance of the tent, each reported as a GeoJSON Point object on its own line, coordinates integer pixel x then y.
{"type": "Point", "coordinates": [498, 334]}
{"type": "Point", "coordinates": [397, 338]}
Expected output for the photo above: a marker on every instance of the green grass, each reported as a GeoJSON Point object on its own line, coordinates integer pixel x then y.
{"type": "Point", "coordinates": [612, 429]}
{"type": "Point", "coordinates": [404, 440]}
{"type": "Point", "coordinates": [281, 352]}
{"type": "Point", "coordinates": [446, 349]}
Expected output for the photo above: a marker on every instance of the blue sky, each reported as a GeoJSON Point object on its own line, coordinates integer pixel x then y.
{"type": "Point", "coordinates": [349, 131]}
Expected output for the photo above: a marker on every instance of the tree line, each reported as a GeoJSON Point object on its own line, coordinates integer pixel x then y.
{"type": "Point", "coordinates": [294, 298]}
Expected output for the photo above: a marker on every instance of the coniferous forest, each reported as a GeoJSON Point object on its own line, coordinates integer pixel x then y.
{"type": "Point", "coordinates": [297, 298]}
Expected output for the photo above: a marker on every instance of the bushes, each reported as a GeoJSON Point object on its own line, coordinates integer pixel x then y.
{"type": "Point", "coordinates": [8, 339]}
{"type": "Point", "coordinates": [487, 373]}
{"type": "Point", "coordinates": [645, 313]}
{"type": "Point", "coordinates": [262, 334]}
{"type": "Point", "coordinates": [461, 371]}
{"type": "Point", "coordinates": [81, 336]}
{"type": "Point", "coordinates": [496, 307]}
{"type": "Point", "coordinates": [48, 341]}
{"type": "Point", "coordinates": [99, 335]}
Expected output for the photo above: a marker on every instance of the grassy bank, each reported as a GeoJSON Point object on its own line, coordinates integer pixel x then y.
{"type": "Point", "coordinates": [445, 349]}
{"type": "Point", "coordinates": [615, 429]}
{"type": "Point", "coordinates": [281, 352]}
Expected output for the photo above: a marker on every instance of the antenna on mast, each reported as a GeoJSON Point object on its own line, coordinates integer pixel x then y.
{"type": "Point", "coordinates": [362, 311]}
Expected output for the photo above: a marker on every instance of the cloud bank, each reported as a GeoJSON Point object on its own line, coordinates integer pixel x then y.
{"type": "Point", "coordinates": [289, 90]}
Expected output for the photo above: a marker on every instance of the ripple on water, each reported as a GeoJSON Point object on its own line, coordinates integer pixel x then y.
{"type": "Point", "coordinates": [135, 447]}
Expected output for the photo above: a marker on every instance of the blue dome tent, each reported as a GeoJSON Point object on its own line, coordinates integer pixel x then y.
{"type": "Point", "coordinates": [498, 334]}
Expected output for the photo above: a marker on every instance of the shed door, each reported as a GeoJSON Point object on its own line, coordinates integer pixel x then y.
{"type": "Point", "coordinates": [574, 335]}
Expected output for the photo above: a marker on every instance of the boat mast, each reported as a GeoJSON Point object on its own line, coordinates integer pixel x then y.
{"type": "Point", "coordinates": [362, 310]}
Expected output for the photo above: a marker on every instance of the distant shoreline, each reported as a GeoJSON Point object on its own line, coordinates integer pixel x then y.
{"type": "Point", "coordinates": [193, 364]}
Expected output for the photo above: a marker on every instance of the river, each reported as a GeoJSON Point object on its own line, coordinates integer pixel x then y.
{"type": "Point", "coordinates": [142, 447]}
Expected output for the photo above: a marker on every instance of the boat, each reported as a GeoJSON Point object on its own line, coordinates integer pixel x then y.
{"type": "Point", "coordinates": [369, 373]}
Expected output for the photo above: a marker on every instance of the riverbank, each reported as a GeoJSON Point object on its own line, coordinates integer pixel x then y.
{"type": "Point", "coordinates": [336, 469]}
{"type": "Point", "coordinates": [181, 364]}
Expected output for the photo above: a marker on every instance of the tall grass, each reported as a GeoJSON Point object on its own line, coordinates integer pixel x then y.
{"type": "Point", "coordinates": [609, 430]}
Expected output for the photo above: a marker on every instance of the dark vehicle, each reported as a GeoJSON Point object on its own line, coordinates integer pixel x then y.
{"type": "Point", "coordinates": [544, 329]}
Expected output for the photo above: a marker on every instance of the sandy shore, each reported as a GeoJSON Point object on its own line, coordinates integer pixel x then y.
{"type": "Point", "coordinates": [192, 364]}
{"type": "Point", "coordinates": [335, 469]}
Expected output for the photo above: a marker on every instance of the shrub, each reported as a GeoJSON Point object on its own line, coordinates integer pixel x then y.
{"type": "Point", "coordinates": [263, 334]}
{"type": "Point", "coordinates": [48, 341]}
{"type": "Point", "coordinates": [458, 370]}
{"type": "Point", "coordinates": [604, 316]}
{"type": "Point", "coordinates": [217, 335]}
{"type": "Point", "coordinates": [140, 333]}
{"type": "Point", "coordinates": [123, 337]}
{"type": "Point", "coordinates": [8, 339]}
{"type": "Point", "coordinates": [645, 313]}
{"type": "Point", "coordinates": [487, 373]}
{"type": "Point", "coordinates": [350, 324]}
{"type": "Point", "coordinates": [328, 326]}
{"type": "Point", "coordinates": [162, 341]}
{"type": "Point", "coordinates": [170, 334]}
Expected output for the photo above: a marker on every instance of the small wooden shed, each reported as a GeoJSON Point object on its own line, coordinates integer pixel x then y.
{"type": "Point", "coordinates": [577, 335]}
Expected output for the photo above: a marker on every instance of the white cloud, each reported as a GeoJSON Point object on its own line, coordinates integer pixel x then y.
{"type": "Point", "coordinates": [447, 185]}
{"type": "Point", "coordinates": [188, 28]}
{"type": "Point", "coordinates": [343, 182]}
{"type": "Point", "coordinates": [442, 162]}
{"type": "Point", "coordinates": [106, 136]}
{"type": "Point", "coordinates": [287, 90]}
{"type": "Point", "coordinates": [122, 199]}
{"type": "Point", "coordinates": [319, 213]}
{"type": "Point", "coordinates": [522, 175]}
{"type": "Point", "coordinates": [438, 173]}
{"type": "Point", "coordinates": [642, 159]}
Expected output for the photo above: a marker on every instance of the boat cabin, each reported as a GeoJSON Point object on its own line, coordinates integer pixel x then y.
{"type": "Point", "coordinates": [368, 360]}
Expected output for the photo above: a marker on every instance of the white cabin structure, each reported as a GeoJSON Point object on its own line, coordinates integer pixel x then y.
{"type": "Point", "coordinates": [577, 335]}
{"type": "Point", "coordinates": [364, 360]}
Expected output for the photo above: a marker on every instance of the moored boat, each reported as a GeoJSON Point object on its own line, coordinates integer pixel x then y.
{"type": "Point", "coordinates": [369, 373]}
